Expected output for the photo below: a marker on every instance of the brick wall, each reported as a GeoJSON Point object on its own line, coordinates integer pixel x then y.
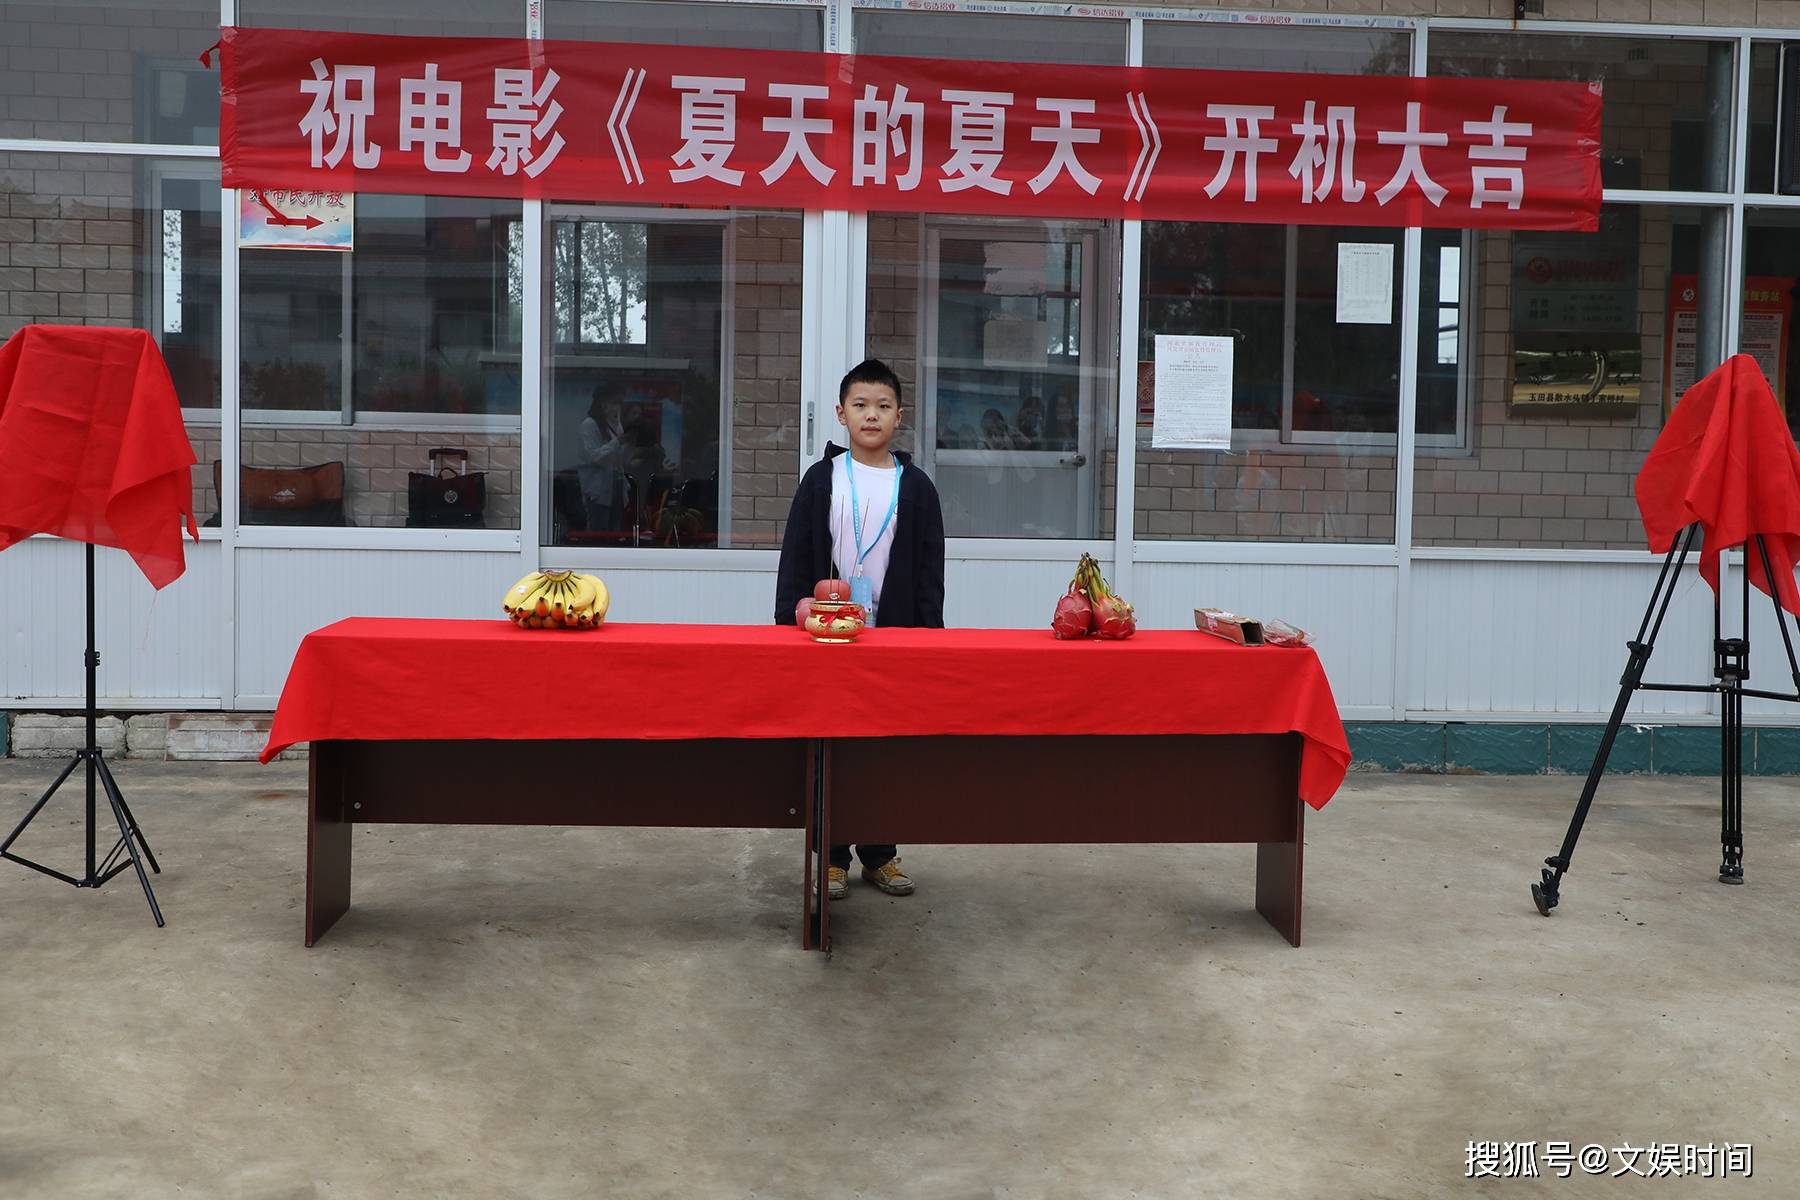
{"type": "Point", "coordinates": [69, 71]}
{"type": "Point", "coordinates": [1543, 480]}
{"type": "Point", "coordinates": [376, 465]}
{"type": "Point", "coordinates": [73, 252]}
{"type": "Point", "coordinates": [891, 326]}
{"type": "Point", "coordinates": [765, 409]}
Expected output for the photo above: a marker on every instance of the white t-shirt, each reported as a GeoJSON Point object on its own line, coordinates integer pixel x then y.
{"type": "Point", "coordinates": [874, 493]}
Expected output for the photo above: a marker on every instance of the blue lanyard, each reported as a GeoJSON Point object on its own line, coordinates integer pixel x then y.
{"type": "Point", "coordinates": [856, 510]}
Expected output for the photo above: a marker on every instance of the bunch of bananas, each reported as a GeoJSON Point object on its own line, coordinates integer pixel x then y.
{"type": "Point", "coordinates": [557, 600]}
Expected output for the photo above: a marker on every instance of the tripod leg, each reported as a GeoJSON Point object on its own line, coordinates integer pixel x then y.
{"type": "Point", "coordinates": [118, 808]}
{"type": "Point", "coordinates": [1546, 893]}
{"type": "Point", "coordinates": [39, 806]}
{"type": "Point", "coordinates": [1731, 790]}
{"type": "Point", "coordinates": [112, 786]}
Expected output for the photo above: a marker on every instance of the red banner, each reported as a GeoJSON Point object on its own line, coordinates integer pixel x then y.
{"type": "Point", "coordinates": [760, 128]}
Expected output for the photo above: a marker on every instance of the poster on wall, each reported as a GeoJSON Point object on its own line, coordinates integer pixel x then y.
{"type": "Point", "coordinates": [1768, 314]}
{"type": "Point", "coordinates": [1193, 393]}
{"type": "Point", "coordinates": [1365, 289]}
{"type": "Point", "coordinates": [284, 219]}
{"type": "Point", "coordinates": [1576, 343]}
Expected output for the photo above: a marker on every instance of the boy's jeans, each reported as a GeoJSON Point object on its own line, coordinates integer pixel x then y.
{"type": "Point", "coordinates": [872, 856]}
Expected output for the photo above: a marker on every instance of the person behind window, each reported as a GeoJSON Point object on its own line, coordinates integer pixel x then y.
{"type": "Point", "coordinates": [997, 434]}
{"type": "Point", "coordinates": [605, 451]}
{"type": "Point", "coordinates": [1064, 433]}
{"type": "Point", "coordinates": [1031, 422]}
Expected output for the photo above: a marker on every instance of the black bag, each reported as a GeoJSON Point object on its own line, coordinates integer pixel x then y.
{"type": "Point", "coordinates": [442, 498]}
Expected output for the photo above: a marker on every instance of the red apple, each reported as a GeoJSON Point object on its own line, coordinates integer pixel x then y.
{"type": "Point", "coordinates": [802, 610]}
{"type": "Point", "coordinates": [831, 589]}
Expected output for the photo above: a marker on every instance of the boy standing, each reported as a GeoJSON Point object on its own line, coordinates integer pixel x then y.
{"type": "Point", "coordinates": [870, 517]}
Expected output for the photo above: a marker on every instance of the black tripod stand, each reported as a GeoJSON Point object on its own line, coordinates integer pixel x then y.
{"type": "Point", "coordinates": [1731, 667]}
{"type": "Point", "coordinates": [98, 775]}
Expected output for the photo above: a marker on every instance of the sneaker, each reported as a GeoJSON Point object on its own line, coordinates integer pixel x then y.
{"type": "Point", "coordinates": [889, 878]}
{"type": "Point", "coordinates": [837, 883]}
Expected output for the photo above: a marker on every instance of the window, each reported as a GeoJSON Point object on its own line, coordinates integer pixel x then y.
{"type": "Point", "coordinates": [358, 365]}
{"type": "Point", "coordinates": [673, 402]}
{"type": "Point", "coordinates": [1667, 118]}
{"type": "Point", "coordinates": [1585, 341]}
{"type": "Point", "coordinates": [600, 279]}
{"type": "Point", "coordinates": [112, 240]}
{"type": "Point", "coordinates": [80, 70]}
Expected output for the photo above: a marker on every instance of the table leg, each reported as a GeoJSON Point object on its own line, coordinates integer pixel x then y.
{"type": "Point", "coordinates": [327, 841]}
{"type": "Point", "coordinates": [1278, 878]}
{"type": "Point", "coordinates": [824, 848]}
{"type": "Point", "coordinates": [808, 875]}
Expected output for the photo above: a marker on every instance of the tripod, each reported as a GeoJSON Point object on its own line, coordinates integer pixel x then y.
{"type": "Point", "coordinates": [99, 775]}
{"type": "Point", "coordinates": [1731, 667]}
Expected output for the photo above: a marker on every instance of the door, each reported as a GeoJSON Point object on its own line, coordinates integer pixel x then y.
{"type": "Point", "coordinates": [1007, 368]}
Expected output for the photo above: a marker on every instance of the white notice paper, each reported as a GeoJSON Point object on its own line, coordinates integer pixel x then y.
{"type": "Point", "coordinates": [1365, 292]}
{"type": "Point", "coordinates": [1193, 393]}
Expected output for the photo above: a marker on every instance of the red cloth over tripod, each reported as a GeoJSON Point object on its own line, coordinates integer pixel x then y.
{"type": "Point", "coordinates": [1727, 460]}
{"type": "Point", "coordinates": [92, 445]}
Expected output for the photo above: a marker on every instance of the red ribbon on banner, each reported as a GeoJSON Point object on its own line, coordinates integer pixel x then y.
{"type": "Point", "coordinates": [720, 128]}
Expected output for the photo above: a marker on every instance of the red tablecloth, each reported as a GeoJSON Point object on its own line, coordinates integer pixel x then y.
{"type": "Point", "coordinates": [92, 445]}
{"type": "Point", "coordinates": [383, 679]}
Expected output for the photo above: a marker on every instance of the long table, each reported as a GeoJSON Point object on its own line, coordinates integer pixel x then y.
{"type": "Point", "coordinates": [985, 736]}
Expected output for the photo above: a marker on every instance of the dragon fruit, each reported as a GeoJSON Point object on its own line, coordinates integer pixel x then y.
{"type": "Point", "coordinates": [1074, 617]}
{"type": "Point", "coordinates": [1113, 617]}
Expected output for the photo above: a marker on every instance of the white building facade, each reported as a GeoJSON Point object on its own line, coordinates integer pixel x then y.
{"type": "Point", "coordinates": [1444, 500]}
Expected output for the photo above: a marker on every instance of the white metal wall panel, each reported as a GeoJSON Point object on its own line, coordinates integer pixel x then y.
{"type": "Point", "coordinates": [1513, 638]}
{"type": "Point", "coordinates": [1003, 594]}
{"type": "Point", "coordinates": [285, 594]}
{"type": "Point", "coordinates": [1350, 610]}
{"type": "Point", "coordinates": [1769, 668]}
{"type": "Point", "coordinates": [157, 649]}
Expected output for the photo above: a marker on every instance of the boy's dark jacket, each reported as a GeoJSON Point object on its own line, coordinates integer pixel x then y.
{"type": "Point", "coordinates": [912, 594]}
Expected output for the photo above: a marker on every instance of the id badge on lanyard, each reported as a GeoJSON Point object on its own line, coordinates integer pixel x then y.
{"type": "Point", "coordinates": [862, 591]}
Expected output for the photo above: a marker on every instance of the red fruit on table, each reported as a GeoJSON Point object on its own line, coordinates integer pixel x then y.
{"type": "Point", "coordinates": [831, 589]}
{"type": "Point", "coordinates": [803, 610]}
{"type": "Point", "coordinates": [1074, 616]}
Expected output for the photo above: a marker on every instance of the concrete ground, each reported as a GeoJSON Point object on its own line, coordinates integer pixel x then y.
{"type": "Point", "coordinates": [627, 1013]}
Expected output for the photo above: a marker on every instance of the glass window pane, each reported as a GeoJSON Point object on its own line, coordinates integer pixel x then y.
{"type": "Point", "coordinates": [1225, 46]}
{"type": "Point", "coordinates": [420, 18]}
{"type": "Point", "coordinates": [106, 240]}
{"type": "Point", "coordinates": [1579, 345]}
{"type": "Point", "coordinates": [991, 37]}
{"type": "Point", "coordinates": [1667, 117]}
{"type": "Point", "coordinates": [1315, 399]}
{"type": "Point", "coordinates": [673, 403]}
{"type": "Point", "coordinates": [358, 366]}
{"type": "Point", "coordinates": [1765, 100]}
{"type": "Point", "coordinates": [675, 23]}
{"type": "Point", "coordinates": [1771, 284]}
{"type": "Point", "coordinates": [1000, 332]}
{"type": "Point", "coordinates": [80, 70]}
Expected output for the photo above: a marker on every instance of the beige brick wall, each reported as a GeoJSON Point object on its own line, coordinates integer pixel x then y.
{"type": "Point", "coordinates": [765, 408]}
{"type": "Point", "coordinates": [1544, 480]}
{"type": "Point", "coordinates": [72, 252]}
{"type": "Point", "coordinates": [891, 326]}
{"type": "Point", "coordinates": [69, 70]}
{"type": "Point", "coordinates": [1272, 496]}
{"type": "Point", "coordinates": [376, 465]}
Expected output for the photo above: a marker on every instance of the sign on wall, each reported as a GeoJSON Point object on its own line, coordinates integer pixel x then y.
{"type": "Point", "coordinates": [296, 219]}
{"type": "Point", "coordinates": [1768, 314]}
{"type": "Point", "coordinates": [1576, 341]}
{"type": "Point", "coordinates": [667, 125]}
